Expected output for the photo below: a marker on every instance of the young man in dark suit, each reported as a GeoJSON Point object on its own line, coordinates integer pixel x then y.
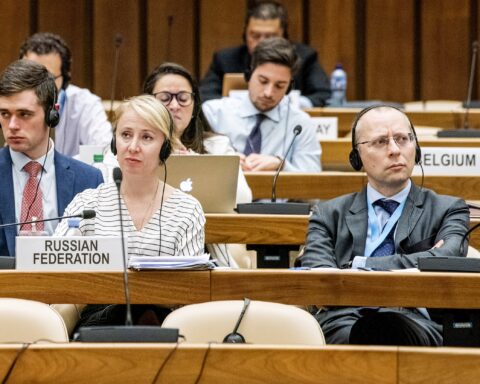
{"type": "Point", "coordinates": [264, 20]}
{"type": "Point", "coordinates": [37, 181]}
{"type": "Point", "coordinates": [390, 224]}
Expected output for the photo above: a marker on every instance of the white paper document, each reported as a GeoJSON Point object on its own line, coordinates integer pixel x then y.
{"type": "Point", "coordinates": [202, 262]}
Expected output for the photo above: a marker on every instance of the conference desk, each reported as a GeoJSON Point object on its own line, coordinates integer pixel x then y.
{"type": "Point", "coordinates": [330, 184]}
{"type": "Point", "coordinates": [300, 287]}
{"type": "Point", "coordinates": [448, 119]}
{"type": "Point", "coordinates": [139, 363]}
{"type": "Point", "coordinates": [335, 152]}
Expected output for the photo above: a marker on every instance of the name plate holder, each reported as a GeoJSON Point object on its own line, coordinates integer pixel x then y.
{"type": "Point", "coordinates": [74, 253]}
{"type": "Point", "coordinates": [455, 161]}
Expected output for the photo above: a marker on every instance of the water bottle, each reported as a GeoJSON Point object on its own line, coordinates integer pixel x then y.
{"type": "Point", "coordinates": [34, 231]}
{"type": "Point", "coordinates": [74, 227]}
{"type": "Point", "coordinates": [98, 163]}
{"type": "Point", "coordinates": [338, 86]}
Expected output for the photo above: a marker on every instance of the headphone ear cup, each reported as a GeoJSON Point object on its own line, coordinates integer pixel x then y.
{"type": "Point", "coordinates": [418, 154]}
{"type": "Point", "coordinates": [355, 160]}
{"type": "Point", "coordinates": [247, 75]}
{"type": "Point", "coordinates": [165, 151]}
{"type": "Point", "coordinates": [113, 145]}
{"type": "Point", "coordinates": [52, 117]}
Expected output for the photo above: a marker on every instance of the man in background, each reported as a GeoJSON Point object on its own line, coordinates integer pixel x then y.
{"type": "Point", "coordinates": [37, 181]}
{"type": "Point", "coordinates": [264, 20]}
{"type": "Point", "coordinates": [262, 124]}
{"type": "Point", "coordinates": [82, 116]}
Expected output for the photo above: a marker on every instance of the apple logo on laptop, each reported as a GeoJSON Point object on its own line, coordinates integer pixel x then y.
{"type": "Point", "coordinates": [186, 185]}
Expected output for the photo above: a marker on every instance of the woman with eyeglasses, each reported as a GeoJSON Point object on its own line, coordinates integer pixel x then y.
{"type": "Point", "coordinates": [175, 87]}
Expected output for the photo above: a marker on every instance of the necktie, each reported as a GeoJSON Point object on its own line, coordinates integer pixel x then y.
{"type": "Point", "coordinates": [254, 140]}
{"type": "Point", "coordinates": [31, 204]}
{"type": "Point", "coordinates": [387, 247]}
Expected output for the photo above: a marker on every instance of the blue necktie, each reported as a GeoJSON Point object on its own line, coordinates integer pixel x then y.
{"type": "Point", "coordinates": [254, 140]}
{"type": "Point", "coordinates": [387, 247]}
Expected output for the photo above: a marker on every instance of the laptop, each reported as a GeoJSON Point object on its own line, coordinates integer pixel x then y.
{"type": "Point", "coordinates": [211, 179]}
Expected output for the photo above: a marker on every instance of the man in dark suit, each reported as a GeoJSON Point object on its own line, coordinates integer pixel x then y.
{"type": "Point", "coordinates": [388, 225]}
{"type": "Point", "coordinates": [37, 181]}
{"type": "Point", "coordinates": [264, 20]}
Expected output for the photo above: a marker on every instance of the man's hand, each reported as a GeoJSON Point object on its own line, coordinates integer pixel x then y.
{"type": "Point", "coordinates": [258, 162]}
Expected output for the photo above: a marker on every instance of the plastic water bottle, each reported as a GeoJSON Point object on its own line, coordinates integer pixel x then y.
{"type": "Point", "coordinates": [74, 227]}
{"type": "Point", "coordinates": [34, 230]}
{"type": "Point", "coordinates": [98, 163]}
{"type": "Point", "coordinates": [338, 86]}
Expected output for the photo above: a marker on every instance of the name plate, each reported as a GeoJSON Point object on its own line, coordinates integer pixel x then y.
{"type": "Point", "coordinates": [75, 253]}
{"type": "Point", "coordinates": [464, 161]}
{"type": "Point", "coordinates": [325, 127]}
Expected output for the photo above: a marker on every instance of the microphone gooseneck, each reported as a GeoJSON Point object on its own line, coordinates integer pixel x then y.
{"type": "Point", "coordinates": [296, 131]}
{"type": "Point", "coordinates": [118, 41]}
{"type": "Point", "coordinates": [473, 68]}
{"type": "Point", "coordinates": [85, 214]}
{"type": "Point", "coordinates": [117, 178]}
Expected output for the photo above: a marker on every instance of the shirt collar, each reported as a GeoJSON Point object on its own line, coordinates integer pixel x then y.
{"type": "Point", "coordinates": [19, 160]}
{"type": "Point", "coordinates": [247, 109]}
{"type": "Point", "coordinates": [373, 195]}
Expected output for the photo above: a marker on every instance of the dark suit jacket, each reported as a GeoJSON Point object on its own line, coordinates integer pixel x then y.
{"type": "Point", "coordinates": [72, 177]}
{"type": "Point", "coordinates": [338, 230]}
{"type": "Point", "coordinates": [310, 79]}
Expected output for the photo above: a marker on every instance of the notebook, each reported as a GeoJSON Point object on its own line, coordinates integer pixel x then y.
{"type": "Point", "coordinates": [211, 179]}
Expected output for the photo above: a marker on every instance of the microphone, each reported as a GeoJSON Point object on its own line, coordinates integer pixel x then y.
{"type": "Point", "coordinates": [127, 333]}
{"type": "Point", "coordinates": [466, 131]}
{"type": "Point", "coordinates": [272, 207]}
{"type": "Point", "coordinates": [235, 337]}
{"type": "Point", "coordinates": [296, 131]}
{"type": "Point", "coordinates": [118, 41]}
{"type": "Point", "coordinates": [85, 214]}
{"type": "Point", "coordinates": [169, 36]}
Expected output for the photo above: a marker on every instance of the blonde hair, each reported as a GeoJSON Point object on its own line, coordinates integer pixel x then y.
{"type": "Point", "coordinates": [153, 112]}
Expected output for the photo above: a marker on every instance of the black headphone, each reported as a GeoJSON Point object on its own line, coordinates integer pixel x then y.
{"type": "Point", "coordinates": [235, 337]}
{"type": "Point", "coordinates": [354, 157]}
{"type": "Point", "coordinates": [166, 149]}
{"type": "Point", "coordinates": [52, 116]}
{"type": "Point", "coordinates": [247, 75]}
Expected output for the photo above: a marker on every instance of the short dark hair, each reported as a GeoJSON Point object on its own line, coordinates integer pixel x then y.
{"type": "Point", "coordinates": [43, 43]}
{"type": "Point", "coordinates": [198, 129]}
{"type": "Point", "coordinates": [267, 10]}
{"type": "Point", "coordinates": [275, 50]}
{"type": "Point", "coordinates": [22, 75]}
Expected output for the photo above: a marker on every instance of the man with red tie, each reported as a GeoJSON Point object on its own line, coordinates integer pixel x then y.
{"type": "Point", "coordinates": [37, 181]}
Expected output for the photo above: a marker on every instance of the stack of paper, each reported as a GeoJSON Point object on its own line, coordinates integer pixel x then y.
{"type": "Point", "coordinates": [171, 262]}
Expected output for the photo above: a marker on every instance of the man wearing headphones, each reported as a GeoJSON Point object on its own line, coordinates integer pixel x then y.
{"type": "Point", "coordinates": [388, 225]}
{"type": "Point", "coordinates": [37, 181]}
{"type": "Point", "coordinates": [267, 19]}
{"type": "Point", "coordinates": [82, 117]}
{"type": "Point", "coordinates": [261, 124]}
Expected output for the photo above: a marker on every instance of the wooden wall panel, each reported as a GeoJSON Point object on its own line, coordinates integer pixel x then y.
{"type": "Point", "coordinates": [112, 17]}
{"type": "Point", "coordinates": [295, 19]}
{"type": "Point", "coordinates": [389, 52]}
{"type": "Point", "coordinates": [333, 34]}
{"type": "Point", "coordinates": [445, 49]}
{"type": "Point", "coordinates": [171, 33]}
{"type": "Point", "coordinates": [221, 26]}
{"type": "Point", "coordinates": [71, 20]}
{"type": "Point", "coordinates": [14, 28]}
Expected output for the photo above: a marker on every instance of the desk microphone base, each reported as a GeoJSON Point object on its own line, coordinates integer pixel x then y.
{"type": "Point", "coordinates": [274, 208]}
{"type": "Point", "coordinates": [127, 334]}
{"type": "Point", "coordinates": [459, 133]}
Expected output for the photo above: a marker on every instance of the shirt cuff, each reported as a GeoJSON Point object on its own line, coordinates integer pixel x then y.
{"type": "Point", "coordinates": [359, 262]}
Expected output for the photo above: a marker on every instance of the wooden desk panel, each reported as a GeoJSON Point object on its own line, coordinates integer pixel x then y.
{"type": "Point", "coordinates": [328, 184]}
{"type": "Point", "coordinates": [137, 363]}
{"type": "Point", "coordinates": [161, 287]}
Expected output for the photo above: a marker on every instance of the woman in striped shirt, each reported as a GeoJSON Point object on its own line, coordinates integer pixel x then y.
{"type": "Point", "coordinates": [157, 218]}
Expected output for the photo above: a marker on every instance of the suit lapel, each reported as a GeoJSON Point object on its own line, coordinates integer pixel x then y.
{"type": "Point", "coordinates": [411, 214]}
{"type": "Point", "coordinates": [357, 222]}
{"type": "Point", "coordinates": [7, 201]}
{"type": "Point", "coordinates": [65, 179]}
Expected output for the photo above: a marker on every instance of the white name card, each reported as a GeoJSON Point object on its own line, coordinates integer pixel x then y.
{"type": "Point", "coordinates": [75, 253]}
{"type": "Point", "coordinates": [460, 161]}
{"type": "Point", "coordinates": [325, 127]}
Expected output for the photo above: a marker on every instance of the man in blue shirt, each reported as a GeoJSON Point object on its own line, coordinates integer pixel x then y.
{"type": "Point", "coordinates": [261, 124]}
{"type": "Point", "coordinates": [388, 225]}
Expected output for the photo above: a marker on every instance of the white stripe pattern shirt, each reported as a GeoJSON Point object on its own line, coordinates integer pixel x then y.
{"type": "Point", "coordinates": [181, 232]}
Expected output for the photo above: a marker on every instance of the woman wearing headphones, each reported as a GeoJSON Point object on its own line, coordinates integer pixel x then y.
{"type": "Point", "coordinates": [157, 218]}
{"type": "Point", "coordinates": [175, 87]}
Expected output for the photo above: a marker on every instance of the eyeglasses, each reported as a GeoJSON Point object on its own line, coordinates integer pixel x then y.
{"type": "Point", "coordinates": [183, 98]}
{"type": "Point", "coordinates": [401, 139]}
